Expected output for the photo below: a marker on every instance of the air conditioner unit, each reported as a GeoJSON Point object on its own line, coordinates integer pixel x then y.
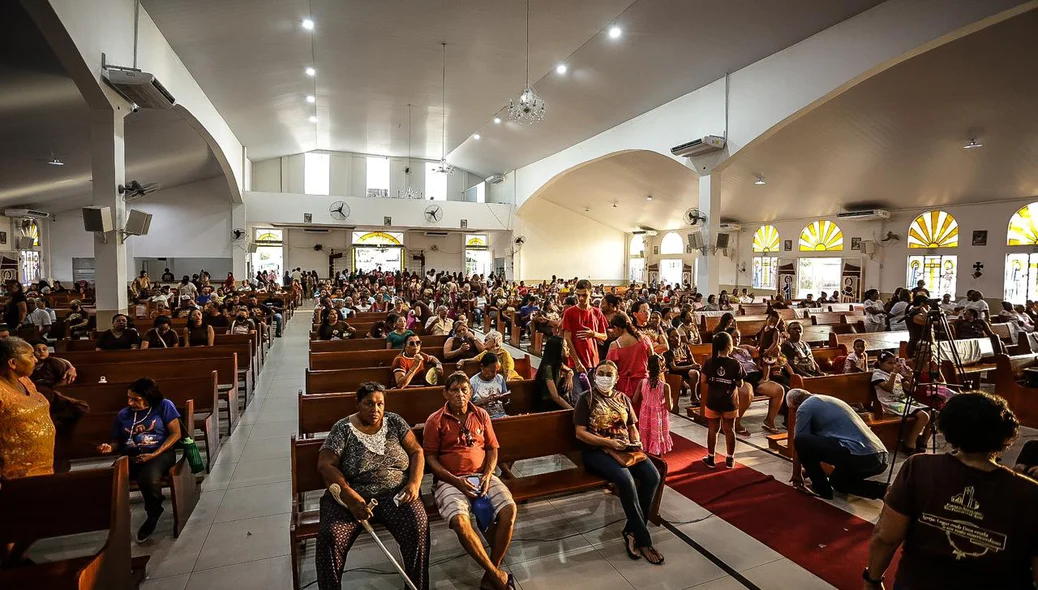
{"type": "Point", "coordinates": [140, 88]}
{"type": "Point", "coordinates": [311, 230]}
{"type": "Point", "coordinates": [730, 227]}
{"type": "Point", "coordinates": [698, 147]}
{"type": "Point", "coordinates": [864, 214]}
{"type": "Point", "coordinates": [495, 179]}
{"type": "Point", "coordinates": [26, 213]}
{"type": "Point", "coordinates": [436, 234]}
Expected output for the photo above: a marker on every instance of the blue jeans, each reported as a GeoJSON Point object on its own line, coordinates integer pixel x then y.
{"type": "Point", "coordinates": [280, 323]}
{"type": "Point", "coordinates": [635, 485]}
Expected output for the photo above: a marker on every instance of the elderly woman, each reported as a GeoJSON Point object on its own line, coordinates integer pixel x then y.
{"type": "Point", "coordinates": [492, 343]}
{"type": "Point", "coordinates": [372, 454]}
{"type": "Point", "coordinates": [962, 519]}
{"type": "Point", "coordinates": [146, 430]}
{"type": "Point", "coordinates": [333, 328]}
{"type": "Point", "coordinates": [605, 422]}
{"type": "Point", "coordinates": [462, 344]}
{"type": "Point", "coordinates": [26, 430]}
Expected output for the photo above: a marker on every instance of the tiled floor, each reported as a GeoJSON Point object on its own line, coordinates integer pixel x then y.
{"type": "Point", "coordinates": [238, 534]}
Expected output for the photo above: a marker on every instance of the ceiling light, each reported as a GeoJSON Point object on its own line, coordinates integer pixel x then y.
{"type": "Point", "coordinates": [759, 181]}
{"type": "Point", "coordinates": [615, 205]}
{"type": "Point", "coordinates": [972, 143]}
{"type": "Point", "coordinates": [528, 108]}
{"type": "Point", "coordinates": [648, 198]}
{"type": "Point", "coordinates": [497, 120]}
{"type": "Point", "coordinates": [561, 69]}
{"type": "Point", "coordinates": [313, 118]}
{"type": "Point", "coordinates": [311, 99]}
{"type": "Point", "coordinates": [55, 162]}
{"type": "Point", "coordinates": [310, 71]}
{"type": "Point", "coordinates": [308, 24]}
{"type": "Point", "coordinates": [587, 209]}
{"type": "Point", "coordinates": [615, 32]}
{"type": "Point", "coordinates": [475, 136]}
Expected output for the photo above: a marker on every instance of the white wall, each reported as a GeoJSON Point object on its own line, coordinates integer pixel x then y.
{"type": "Point", "coordinates": [299, 248]}
{"type": "Point", "coordinates": [67, 240]}
{"type": "Point", "coordinates": [563, 243]}
{"type": "Point", "coordinates": [449, 254]}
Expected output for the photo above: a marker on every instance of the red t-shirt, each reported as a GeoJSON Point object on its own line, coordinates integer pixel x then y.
{"type": "Point", "coordinates": [575, 320]}
{"type": "Point", "coordinates": [459, 454]}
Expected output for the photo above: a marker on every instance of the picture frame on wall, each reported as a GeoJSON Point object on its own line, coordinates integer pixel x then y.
{"type": "Point", "coordinates": [787, 245]}
{"type": "Point", "coordinates": [855, 243]}
{"type": "Point", "coordinates": [980, 237]}
{"type": "Point", "coordinates": [3, 238]}
{"type": "Point", "coordinates": [655, 249]}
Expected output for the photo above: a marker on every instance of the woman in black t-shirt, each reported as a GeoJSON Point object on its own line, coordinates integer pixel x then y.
{"type": "Point", "coordinates": [120, 336]}
{"type": "Point", "coordinates": [724, 376]}
{"type": "Point", "coordinates": [16, 310]}
{"type": "Point", "coordinates": [333, 328]}
{"type": "Point", "coordinates": [554, 380]}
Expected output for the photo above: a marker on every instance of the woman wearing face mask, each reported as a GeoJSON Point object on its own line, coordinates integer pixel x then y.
{"type": "Point", "coordinates": [242, 324]}
{"type": "Point", "coordinates": [605, 422]}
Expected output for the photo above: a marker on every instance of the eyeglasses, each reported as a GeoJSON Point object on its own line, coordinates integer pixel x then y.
{"type": "Point", "coordinates": [467, 439]}
{"type": "Point", "coordinates": [414, 343]}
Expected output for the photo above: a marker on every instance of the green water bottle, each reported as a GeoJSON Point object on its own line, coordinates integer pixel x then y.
{"type": "Point", "coordinates": [194, 458]}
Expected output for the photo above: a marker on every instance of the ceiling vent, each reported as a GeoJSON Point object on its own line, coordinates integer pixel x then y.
{"type": "Point", "coordinates": [730, 227]}
{"type": "Point", "coordinates": [436, 234]}
{"type": "Point", "coordinates": [495, 179]}
{"type": "Point", "coordinates": [311, 230]}
{"type": "Point", "coordinates": [698, 147]}
{"type": "Point", "coordinates": [26, 213]}
{"type": "Point", "coordinates": [140, 88]}
{"type": "Point", "coordinates": [864, 214]}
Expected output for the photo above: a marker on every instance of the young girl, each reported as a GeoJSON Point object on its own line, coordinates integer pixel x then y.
{"type": "Point", "coordinates": [891, 379]}
{"type": "Point", "coordinates": [724, 375]}
{"type": "Point", "coordinates": [655, 403]}
{"type": "Point", "coordinates": [857, 361]}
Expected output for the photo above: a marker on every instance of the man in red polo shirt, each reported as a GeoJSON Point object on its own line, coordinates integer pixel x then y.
{"type": "Point", "coordinates": [584, 327]}
{"type": "Point", "coordinates": [461, 451]}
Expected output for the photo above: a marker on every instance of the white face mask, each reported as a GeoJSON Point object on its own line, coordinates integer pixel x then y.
{"type": "Point", "coordinates": [604, 382]}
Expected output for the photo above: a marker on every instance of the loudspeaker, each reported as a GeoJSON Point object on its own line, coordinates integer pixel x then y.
{"type": "Point", "coordinates": [97, 219]}
{"type": "Point", "coordinates": [722, 241]}
{"type": "Point", "coordinates": [695, 240]}
{"type": "Point", "coordinates": [137, 223]}
{"type": "Point", "coordinates": [252, 248]}
{"type": "Point", "coordinates": [868, 247]}
{"type": "Point", "coordinates": [23, 243]}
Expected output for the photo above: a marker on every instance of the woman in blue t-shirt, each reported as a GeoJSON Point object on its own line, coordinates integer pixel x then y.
{"type": "Point", "coordinates": [146, 431]}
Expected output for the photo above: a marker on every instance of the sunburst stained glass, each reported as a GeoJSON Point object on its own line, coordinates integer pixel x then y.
{"type": "Point", "coordinates": [934, 229]}
{"type": "Point", "coordinates": [821, 236]}
{"type": "Point", "coordinates": [1023, 227]}
{"type": "Point", "coordinates": [378, 238]}
{"type": "Point", "coordinates": [766, 239]}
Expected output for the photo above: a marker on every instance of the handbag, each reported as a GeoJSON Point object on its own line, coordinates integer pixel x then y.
{"type": "Point", "coordinates": [627, 458]}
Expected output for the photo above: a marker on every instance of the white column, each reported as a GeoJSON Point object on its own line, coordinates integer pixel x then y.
{"type": "Point", "coordinates": [707, 265]}
{"type": "Point", "coordinates": [239, 251]}
{"type": "Point", "coordinates": [109, 171]}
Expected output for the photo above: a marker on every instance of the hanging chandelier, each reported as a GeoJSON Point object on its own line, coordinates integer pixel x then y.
{"type": "Point", "coordinates": [528, 108]}
{"type": "Point", "coordinates": [444, 167]}
{"type": "Point", "coordinates": [410, 193]}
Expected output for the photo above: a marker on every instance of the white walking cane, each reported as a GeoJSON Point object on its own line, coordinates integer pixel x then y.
{"type": "Point", "coordinates": [335, 489]}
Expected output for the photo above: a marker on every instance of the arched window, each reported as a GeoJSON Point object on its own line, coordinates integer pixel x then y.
{"type": "Point", "coordinates": [1023, 227]}
{"type": "Point", "coordinates": [636, 261]}
{"type": "Point", "coordinates": [766, 239]}
{"type": "Point", "coordinates": [821, 236]}
{"type": "Point", "coordinates": [934, 229]}
{"type": "Point", "coordinates": [638, 245]}
{"type": "Point", "coordinates": [378, 238]}
{"type": "Point", "coordinates": [671, 244]}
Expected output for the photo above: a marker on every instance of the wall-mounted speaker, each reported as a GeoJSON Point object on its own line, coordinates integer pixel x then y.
{"type": "Point", "coordinates": [97, 219]}
{"type": "Point", "coordinates": [252, 248]}
{"type": "Point", "coordinates": [722, 241]}
{"type": "Point", "coordinates": [868, 247]}
{"type": "Point", "coordinates": [137, 223]}
{"type": "Point", "coordinates": [23, 243]}
{"type": "Point", "coordinates": [695, 240]}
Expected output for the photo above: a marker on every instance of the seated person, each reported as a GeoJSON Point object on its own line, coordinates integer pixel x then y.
{"type": "Point", "coordinates": [439, 324]}
{"type": "Point", "coordinates": [216, 317]}
{"type": "Point", "coordinates": [333, 328]}
{"type": "Point", "coordinates": [51, 373]}
{"type": "Point", "coordinates": [119, 336]}
{"type": "Point", "coordinates": [858, 360]}
{"type": "Point", "coordinates": [492, 343]}
{"type": "Point", "coordinates": [554, 380]}
{"type": "Point", "coordinates": [489, 388]}
{"type": "Point", "coordinates": [1008, 314]}
{"type": "Point", "coordinates": [187, 303]}
{"type": "Point", "coordinates": [1027, 461]}
{"type": "Point", "coordinates": [461, 451]}
{"type": "Point", "coordinates": [391, 473]}
{"type": "Point", "coordinates": [462, 344]}
{"type": "Point", "coordinates": [147, 430]}
{"type": "Point", "coordinates": [969, 325]}
{"type": "Point", "coordinates": [798, 352]}
{"type": "Point", "coordinates": [411, 365]}
{"type": "Point", "coordinates": [197, 332]}
{"type": "Point", "coordinates": [830, 431]}
{"type": "Point", "coordinates": [39, 317]}
{"type": "Point", "coordinates": [809, 301]}
{"type": "Point", "coordinates": [242, 323]}
{"type": "Point", "coordinates": [399, 334]}
{"type": "Point", "coordinates": [681, 361]}
{"type": "Point", "coordinates": [754, 379]}
{"type": "Point", "coordinates": [275, 304]}
{"type": "Point", "coordinates": [161, 335]}
{"type": "Point", "coordinates": [891, 379]}
{"type": "Point", "coordinates": [77, 320]}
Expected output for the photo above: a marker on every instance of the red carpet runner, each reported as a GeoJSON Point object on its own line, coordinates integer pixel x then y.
{"type": "Point", "coordinates": [824, 540]}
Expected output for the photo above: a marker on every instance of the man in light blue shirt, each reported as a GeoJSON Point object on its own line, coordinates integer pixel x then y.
{"type": "Point", "coordinates": [830, 431]}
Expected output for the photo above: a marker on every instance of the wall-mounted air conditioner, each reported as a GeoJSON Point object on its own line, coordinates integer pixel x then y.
{"type": "Point", "coordinates": [436, 234]}
{"type": "Point", "coordinates": [140, 88]}
{"type": "Point", "coordinates": [864, 214]}
{"type": "Point", "coordinates": [698, 147]}
{"type": "Point", "coordinates": [26, 213]}
{"type": "Point", "coordinates": [495, 178]}
{"type": "Point", "coordinates": [730, 227]}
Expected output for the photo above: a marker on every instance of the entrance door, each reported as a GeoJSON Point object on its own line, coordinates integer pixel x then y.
{"type": "Point", "coordinates": [372, 258]}
{"type": "Point", "coordinates": [670, 271]}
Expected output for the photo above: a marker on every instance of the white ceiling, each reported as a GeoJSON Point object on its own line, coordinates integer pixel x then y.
{"type": "Point", "coordinates": [42, 115]}
{"type": "Point", "coordinates": [627, 179]}
{"type": "Point", "coordinates": [895, 140]}
{"type": "Point", "coordinates": [373, 58]}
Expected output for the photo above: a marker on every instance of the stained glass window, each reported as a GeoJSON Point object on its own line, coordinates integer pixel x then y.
{"type": "Point", "coordinates": [1023, 228]}
{"type": "Point", "coordinates": [476, 240]}
{"type": "Point", "coordinates": [934, 229]}
{"type": "Point", "coordinates": [938, 273]}
{"type": "Point", "coordinates": [269, 236]}
{"type": "Point", "coordinates": [765, 269]}
{"type": "Point", "coordinates": [766, 239]}
{"type": "Point", "coordinates": [378, 238]}
{"type": "Point", "coordinates": [31, 229]}
{"type": "Point", "coordinates": [821, 236]}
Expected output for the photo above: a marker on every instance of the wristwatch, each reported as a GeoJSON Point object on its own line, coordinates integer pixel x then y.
{"type": "Point", "coordinates": [865, 576]}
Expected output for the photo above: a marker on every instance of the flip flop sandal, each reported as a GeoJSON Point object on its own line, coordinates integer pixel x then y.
{"type": "Point", "coordinates": [657, 553]}
{"type": "Point", "coordinates": [742, 432]}
{"type": "Point", "coordinates": [634, 555]}
{"type": "Point", "coordinates": [771, 429]}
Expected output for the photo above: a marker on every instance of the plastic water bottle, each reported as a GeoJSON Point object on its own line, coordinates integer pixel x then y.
{"type": "Point", "coordinates": [102, 380]}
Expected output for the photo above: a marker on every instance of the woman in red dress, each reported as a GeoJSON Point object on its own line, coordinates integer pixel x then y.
{"type": "Point", "coordinates": [630, 351]}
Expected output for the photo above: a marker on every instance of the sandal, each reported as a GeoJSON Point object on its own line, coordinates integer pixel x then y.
{"type": "Point", "coordinates": [651, 555]}
{"type": "Point", "coordinates": [632, 553]}
{"type": "Point", "coordinates": [771, 429]}
{"type": "Point", "coordinates": [741, 431]}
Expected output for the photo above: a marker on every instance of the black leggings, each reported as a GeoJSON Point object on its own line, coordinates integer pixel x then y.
{"type": "Point", "coordinates": [149, 479]}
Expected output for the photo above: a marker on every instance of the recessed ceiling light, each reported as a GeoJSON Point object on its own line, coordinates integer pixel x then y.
{"type": "Point", "coordinates": [497, 120]}
{"type": "Point", "coordinates": [313, 118]}
{"type": "Point", "coordinates": [759, 181]}
{"type": "Point", "coordinates": [311, 99]}
{"type": "Point", "coordinates": [648, 198]}
{"type": "Point", "coordinates": [615, 32]}
{"type": "Point", "coordinates": [55, 162]}
{"type": "Point", "coordinates": [475, 136]}
{"type": "Point", "coordinates": [972, 143]}
{"type": "Point", "coordinates": [308, 24]}
{"type": "Point", "coordinates": [561, 69]}
{"type": "Point", "coordinates": [615, 205]}
{"type": "Point", "coordinates": [310, 71]}
{"type": "Point", "coordinates": [587, 209]}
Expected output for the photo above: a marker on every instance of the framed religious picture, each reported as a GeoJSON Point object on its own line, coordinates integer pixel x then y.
{"type": "Point", "coordinates": [980, 237]}
{"type": "Point", "coordinates": [655, 249]}
{"type": "Point", "coordinates": [3, 238]}
{"type": "Point", "coordinates": [787, 245]}
{"type": "Point", "coordinates": [855, 243]}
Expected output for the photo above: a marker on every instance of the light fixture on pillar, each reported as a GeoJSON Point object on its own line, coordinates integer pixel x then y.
{"type": "Point", "coordinates": [444, 167]}
{"type": "Point", "coordinates": [410, 193]}
{"type": "Point", "coordinates": [972, 144]}
{"type": "Point", "coordinates": [759, 181]}
{"type": "Point", "coordinates": [528, 107]}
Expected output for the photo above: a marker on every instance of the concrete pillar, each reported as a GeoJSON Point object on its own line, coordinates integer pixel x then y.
{"type": "Point", "coordinates": [109, 171]}
{"type": "Point", "coordinates": [239, 251]}
{"type": "Point", "coordinates": [708, 265]}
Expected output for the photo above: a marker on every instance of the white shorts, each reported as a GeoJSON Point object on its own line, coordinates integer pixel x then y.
{"type": "Point", "coordinates": [450, 501]}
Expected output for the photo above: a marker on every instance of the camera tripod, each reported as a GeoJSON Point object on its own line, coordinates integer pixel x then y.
{"type": "Point", "coordinates": [928, 350]}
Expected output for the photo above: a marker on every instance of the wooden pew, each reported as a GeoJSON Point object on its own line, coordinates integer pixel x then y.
{"type": "Point", "coordinates": [827, 318]}
{"type": "Point", "coordinates": [819, 335]}
{"type": "Point", "coordinates": [521, 437]}
{"type": "Point", "coordinates": [320, 361]}
{"type": "Point", "coordinates": [368, 344]}
{"type": "Point", "coordinates": [87, 501]}
{"type": "Point", "coordinates": [1022, 400]}
{"type": "Point", "coordinates": [874, 341]}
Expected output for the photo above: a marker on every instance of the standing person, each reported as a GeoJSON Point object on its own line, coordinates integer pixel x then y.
{"type": "Point", "coordinates": [26, 430]}
{"type": "Point", "coordinates": [724, 376]}
{"type": "Point", "coordinates": [654, 414]}
{"type": "Point", "coordinates": [896, 315]}
{"type": "Point", "coordinates": [141, 286]}
{"type": "Point", "coordinates": [962, 520]}
{"type": "Point", "coordinates": [875, 315]}
{"type": "Point", "coordinates": [554, 380]}
{"type": "Point", "coordinates": [17, 306]}
{"type": "Point", "coordinates": [583, 327]}
{"type": "Point", "coordinates": [630, 351]}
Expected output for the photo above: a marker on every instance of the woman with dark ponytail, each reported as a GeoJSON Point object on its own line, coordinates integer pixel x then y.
{"type": "Point", "coordinates": [630, 351]}
{"type": "Point", "coordinates": [724, 376]}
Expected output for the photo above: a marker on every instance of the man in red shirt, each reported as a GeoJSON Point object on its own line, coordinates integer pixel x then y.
{"type": "Point", "coordinates": [461, 450]}
{"type": "Point", "coordinates": [584, 327]}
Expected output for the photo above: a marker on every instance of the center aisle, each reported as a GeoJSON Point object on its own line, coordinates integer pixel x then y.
{"type": "Point", "coordinates": [238, 534]}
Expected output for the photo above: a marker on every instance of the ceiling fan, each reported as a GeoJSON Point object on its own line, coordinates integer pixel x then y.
{"type": "Point", "coordinates": [694, 216]}
{"type": "Point", "coordinates": [134, 190]}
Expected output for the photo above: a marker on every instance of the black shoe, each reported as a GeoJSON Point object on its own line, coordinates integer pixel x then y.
{"type": "Point", "coordinates": [148, 527]}
{"type": "Point", "coordinates": [729, 462]}
{"type": "Point", "coordinates": [709, 461]}
{"type": "Point", "coordinates": [826, 493]}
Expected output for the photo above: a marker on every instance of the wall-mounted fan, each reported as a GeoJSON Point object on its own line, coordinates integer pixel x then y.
{"type": "Point", "coordinates": [433, 213]}
{"type": "Point", "coordinates": [134, 190]}
{"type": "Point", "coordinates": [518, 242]}
{"type": "Point", "coordinates": [339, 210]}
{"type": "Point", "coordinates": [694, 217]}
{"type": "Point", "coordinates": [238, 234]}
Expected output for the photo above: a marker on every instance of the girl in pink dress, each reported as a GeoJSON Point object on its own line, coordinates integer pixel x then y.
{"type": "Point", "coordinates": [654, 418]}
{"type": "Point", "coordinates": [630, 351]}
